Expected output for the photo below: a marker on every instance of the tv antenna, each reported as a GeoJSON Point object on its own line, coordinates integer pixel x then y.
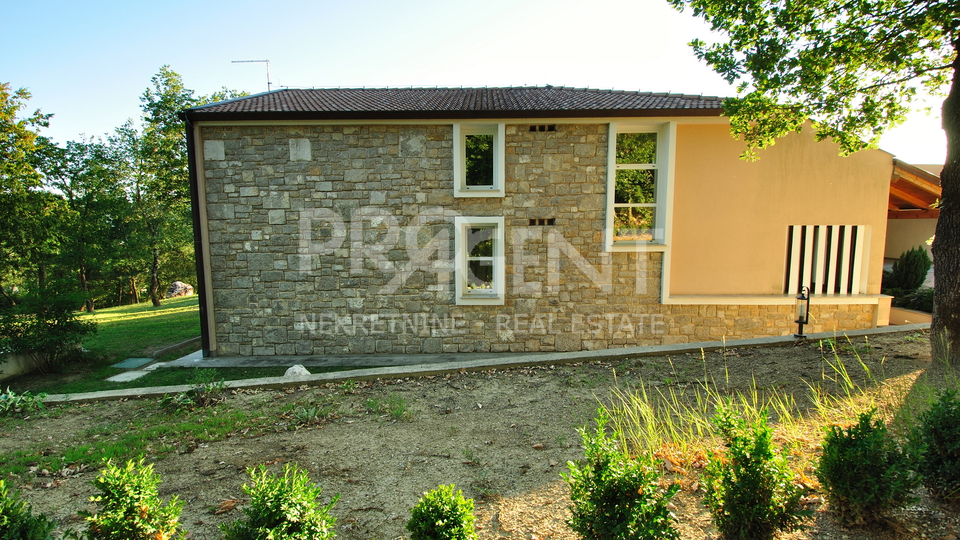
{"type": "Point", "coordinates": [267, 62]}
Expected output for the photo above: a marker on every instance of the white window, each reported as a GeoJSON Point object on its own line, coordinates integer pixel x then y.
{"type": "Point", "coordinates": [828, 259]}
{"type": "Point", "coordinates": [636, 184]}
{"type": "Point", "coordinates": [478, 160]}
{"type": "Point", "coordinates": [479, 266]}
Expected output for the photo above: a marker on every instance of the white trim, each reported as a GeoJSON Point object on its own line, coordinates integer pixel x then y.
{"type": "Point", "coordinates": [467, 297]}
{"type": "Point", "coordinates": [772, 300]}
{"type": "Point", "coordinates": [460, 131]}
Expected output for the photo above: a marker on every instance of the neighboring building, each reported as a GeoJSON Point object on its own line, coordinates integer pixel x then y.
{"type": "Point", "coordinates": [425, 220]}
{"type": "Point", "coordinates": [912, 212]}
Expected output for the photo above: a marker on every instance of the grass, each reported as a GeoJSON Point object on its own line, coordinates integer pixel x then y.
{"type": "Point", "coordinates": [675, 423]}
{"type": "Point", "coordinates": [137, 331]}
{"type": "Point", "coordinates": [140, 329]}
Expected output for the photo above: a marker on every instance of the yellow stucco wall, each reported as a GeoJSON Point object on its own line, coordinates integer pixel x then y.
{"type": "Point", "coordinates": [730, 217]}
{"type": "Point", "coordinates": [906, 234]}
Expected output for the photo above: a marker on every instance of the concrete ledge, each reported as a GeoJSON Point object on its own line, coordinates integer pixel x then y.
{"type": "Point", "coordinates": [190, 343]}
{"type": "Point", "coordinates": [523, 360]}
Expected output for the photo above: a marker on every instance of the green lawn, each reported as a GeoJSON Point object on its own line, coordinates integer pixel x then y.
{"type": "Point", "coordinates": [141, 329]}
{"type": "Point", "coordinates": [133, 332]}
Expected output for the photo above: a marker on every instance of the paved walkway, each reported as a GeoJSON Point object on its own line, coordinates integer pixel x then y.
{"type": "Point", "coordinates": [417, 365]}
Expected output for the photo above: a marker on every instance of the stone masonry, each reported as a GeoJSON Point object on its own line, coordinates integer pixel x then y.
{"type": "Point", "coordinates": [339, 239]}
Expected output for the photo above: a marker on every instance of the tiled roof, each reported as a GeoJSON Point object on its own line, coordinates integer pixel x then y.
{"type": "Point", "coordinates": [542, 101]}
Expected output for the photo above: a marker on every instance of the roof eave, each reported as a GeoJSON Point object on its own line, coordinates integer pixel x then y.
{"type": "Point", "coordinates": [196, 115]}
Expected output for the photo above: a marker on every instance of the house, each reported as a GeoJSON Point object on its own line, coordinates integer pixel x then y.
{"type": "Point", "coordinates": [437, 220]}
{"type": "Point", "coordinates": [912, 212]}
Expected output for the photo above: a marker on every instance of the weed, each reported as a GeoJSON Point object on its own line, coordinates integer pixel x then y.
{"type": "Point", "coordinates": [863, 471]}
{"type": "Point", "coordinates": [442, 514]}
{"type": "Point", "coordinates": [348, 386]}
{"type": "Point", "coordinates": [937, 436]}
{"type": "Point", "coordinates": [283, 507]}
{"type": "Point", "coordinates": [129, 507]}
{"type": "Point", "coordinates": [17, 520]}
{"type": "Point", "coordinates": [311, 415]}
{"type": "Point", "coordinates": [750, 490]}
{"type": "Point", "coordinates": [469, 455]}
{"type": "Point", "coordinates": [614, 496]}
{"type": "Point", "coordinates": [206, 391]}
{"type": "Point", "coordinates": [394, 406]}
{"type": "Point", "coordinates": [484, 485]}
{"type": "Point", "coordinates": [12, 403]}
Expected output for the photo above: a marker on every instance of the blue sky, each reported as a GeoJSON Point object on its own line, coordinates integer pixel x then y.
{"type": "Point", "coordinates": [89, 62]}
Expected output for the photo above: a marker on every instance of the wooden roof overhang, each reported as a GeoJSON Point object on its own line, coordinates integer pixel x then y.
{"type": "Point", "coordinates": [914, 193]}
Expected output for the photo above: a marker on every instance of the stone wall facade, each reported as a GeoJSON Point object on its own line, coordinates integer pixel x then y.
{"type": "Point", "coordinates": [339, 240]}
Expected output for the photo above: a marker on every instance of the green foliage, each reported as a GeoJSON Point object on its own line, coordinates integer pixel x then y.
{"type": "Point", "coordinates": [394, 406]}
{"type": "Point", "coordinates": [207, 391]}
{"type": "Point", "coordinates": [442, 514]}
{"type": "Point", "coordinates": [17, 521]}
{"type": "Point", "coordinates": [938, 437]}
{"type": "Point", "coordinates": [920, 300]}
{"type": "Point", "coordinates": [129, 507]}
{"type": "Point", "coordinates": [863, 471]}
{"type": "Point", "coordinates": [750, 490]}
{"type": "Point", "coordinates": [479, 160]}
{"type": "Point", "coordinates": [852, 66]}
{"type": "Point", "coordinates": [282, 508]}
{"type": "Point", "coordinates": [18, 140]}
{"type": "Point", "coordinates": [12, 403]}
{"type": "Point", "coordinates": [910, 270]}
{"type": "Point", "coordinates": [614, 496]}
{"type": "Point", "coordinates": [44, 326]}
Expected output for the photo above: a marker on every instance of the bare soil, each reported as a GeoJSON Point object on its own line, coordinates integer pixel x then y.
{"type": "Point", "coordinates": [503, 437]}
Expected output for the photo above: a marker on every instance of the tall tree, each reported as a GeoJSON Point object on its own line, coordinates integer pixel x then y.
{"type": "Point", "coordinates": [854, 69]}
{"type": "Point", "coordinates": [27, 237]}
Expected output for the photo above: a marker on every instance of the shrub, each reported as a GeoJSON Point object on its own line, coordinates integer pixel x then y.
{"type": "Point", "coordinates": [938, 437]}
{"type": "Point", "coordinates": [12, 403]}
{"type": "Point", "coordinates": [129, 507]}
{"type": "Point", "coordinates": [920, 300]}
{"type": "Point", "coordinates": [615, 497]}
{"type": "Point", "coordinates": [282, 508]}
{"type": "Point", "coordinates": [863, 471]}
{"type": "Point", "coordinates": [910, 270]}
{"type": "Point", "coordinates": [17, 521]}
{"type": "Point", "coordinates": [750, 490]}
{"type": "Point", "coordinates": [206, 391]}
{"type": "Point", "coordinates": [442, 514]}
{"type": "Point", "coordinates": [44, 327]}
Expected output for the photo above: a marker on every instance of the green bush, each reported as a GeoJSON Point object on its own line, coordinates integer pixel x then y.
{"type": "Point", "coordinates": [938, 437]}
{"type": "Point", "coordinates": [910, 270]}
{"type": "Point", "coordinates": [12, 403]}
{"type": "Point", "coordinates": [750, 489]}
{"type": "Point", "coordinates": [44, 327]}
{"type": "Point", "coordinates": [17, 521]}
{"type": "Point", "coordinates": [863, 471]}
{"type": "Point", "coordinates": [920, 300]}
{"type": "Point", "coordinates": [282, 508]}
{"type": "Point", "coordinates": [615, 497]}
{"type": "Point", "coordinates": [442, 514]}
{"type": "Point", "coordinates": [129, 507]}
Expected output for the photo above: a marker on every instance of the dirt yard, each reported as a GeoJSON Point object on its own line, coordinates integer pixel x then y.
{"type": "Point", "coordinates": [503, 437]}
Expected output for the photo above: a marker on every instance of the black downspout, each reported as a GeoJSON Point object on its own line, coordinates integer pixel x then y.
{"type": "Point", "coordinates": [197, 235]}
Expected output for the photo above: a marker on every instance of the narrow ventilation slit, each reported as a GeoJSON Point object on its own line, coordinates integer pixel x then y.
{"type": "Point", "coordinates": [542, 222]}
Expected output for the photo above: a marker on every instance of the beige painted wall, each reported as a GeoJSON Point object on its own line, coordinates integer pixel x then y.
{"type": "Point", "coordinates": [906, 234]}
{"type": "Point", "coordinates": [747, 255]}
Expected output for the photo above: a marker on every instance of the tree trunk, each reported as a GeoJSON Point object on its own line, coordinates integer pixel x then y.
{"type": "Point", "coordinates": [87, 301]}
{"type": "Point", "coordinates": [41, 275]}
{"type": "Point", "coordinates": [945, 330]}
{"type": "Point", "coordinates": [134, 291]}
{"type": "Point", "coordinates": [154, 278]}
{"type": "Point", "coordinates": [120, 292]}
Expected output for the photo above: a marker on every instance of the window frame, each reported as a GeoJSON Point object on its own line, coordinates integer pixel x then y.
{"type": "Point", "coordinates": [460, 132]}
{"type": "Point", "coordinates": [666, 139]}
{"type": "Point", "coordinates": [490, 297]}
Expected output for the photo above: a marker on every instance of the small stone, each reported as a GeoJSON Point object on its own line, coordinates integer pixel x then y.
{"type": "Point", "coordinates": [296, 371]}
{"type": "Point", "coordinates": [538, 446]}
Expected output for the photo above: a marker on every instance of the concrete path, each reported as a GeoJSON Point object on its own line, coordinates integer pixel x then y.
{"type": "Point", "coordinates": [421, 365]}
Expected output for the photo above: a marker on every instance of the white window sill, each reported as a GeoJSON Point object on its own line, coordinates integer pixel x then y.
{"type": "Point", "coordinates": [480, 300]}
{"type": "Point", "coordinates": [479, 192]}
{"type": "Point", "coordinates": [631, 247]}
